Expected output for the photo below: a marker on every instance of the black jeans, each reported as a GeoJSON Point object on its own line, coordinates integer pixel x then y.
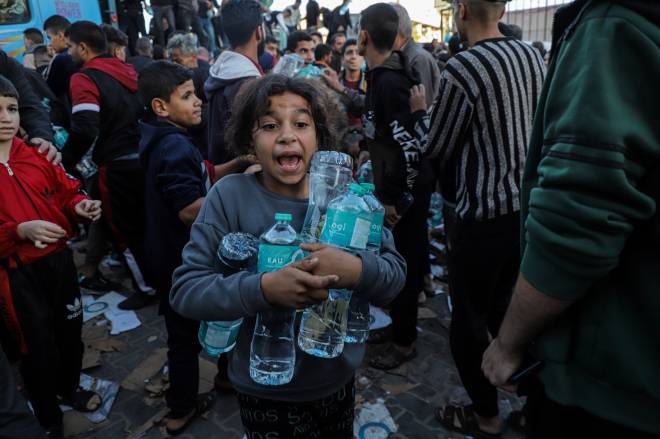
{"type": "Point", "coordinates": [134, 23]}
{"type": "Point", "coordinates": [184, 347]}
{"type": "Point", "coordinates": [190, 19]}
{"type": "Point", "coordinates": [46, 299]}
{"type": "Point", "coordinates": [547, 419]}
{"type": "Point", "coordinates": [483, 267]}
{"type": "Point", "coordinates": [411, 241]}
{"type": "Point", "coordinates": [326, 418]}
{"type": "Point", "coordinates": [121, 189]}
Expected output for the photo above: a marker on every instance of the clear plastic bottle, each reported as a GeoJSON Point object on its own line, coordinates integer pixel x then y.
{"type": "Point", "coordinates": [376, 232]}
{"type": "Point", "coordinates": [357, 328]}
{"type": "Point", "coordinates": [435, 211]}
{"type": "Point", "coordinates": [86, 165]}
{"type": "Point", "coordinates": [347, 225]}
{"type": "Point", "coordinates": [273, 349]}
{"type": "Point", "coordinates": [237, 252]}
{"type": "Point", "coordinates": [330, 175]}
{"type": "Point", "coordinates": [365, 174]}
{"type": "Point", "coordinates": [289, 65]}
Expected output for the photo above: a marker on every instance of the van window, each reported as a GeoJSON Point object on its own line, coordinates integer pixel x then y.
{"type": "Point", "coordinates": [14, 11]}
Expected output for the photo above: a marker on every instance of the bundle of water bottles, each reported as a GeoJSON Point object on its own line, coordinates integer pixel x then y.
{"type": "Point", "coordinates": [342, 214]}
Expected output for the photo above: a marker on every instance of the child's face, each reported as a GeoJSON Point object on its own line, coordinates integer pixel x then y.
{"type": "Point", "coordinates": [284, 143]}
{"type": "Point", "coordinates": [9, 118]}
{"type": "Point", "coordinates": [306, 50]}
{"type": "Point", "coordinates": [184, 108]}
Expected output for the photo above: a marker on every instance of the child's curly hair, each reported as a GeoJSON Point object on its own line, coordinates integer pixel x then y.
{"type": "Point", "coordinates": [253, 101]}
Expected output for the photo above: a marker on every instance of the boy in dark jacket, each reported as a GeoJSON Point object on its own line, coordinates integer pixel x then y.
{"type": "Point", "coordinates": [178, 179]}
{"type": "Point", "coordinates": [394, 137]}
{"type": "Point", "coordinates": [39, 294]}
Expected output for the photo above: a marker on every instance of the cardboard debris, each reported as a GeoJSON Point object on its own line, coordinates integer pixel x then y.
{"type": "Point", "coordinates": [374, 421]}
{"type": "Point", "coordinates": [109, 345]}
{"type": "Point", "coordinates": [158, 386]}
{"type": "Point", "coordinates": [425, 313]}
{"type": "Point", "coordinates": [123, 321]}
{"type": "Point", "coordinates": [147, 369]}
{"type": "Point", "coordinates": [92, 332]}
{"type": "Point", "coordinates": [155, 419]}
{"type": "Point", "coordinates": [152, 338]}
{"type": "Point", "coordinates": [395, 389]}
{"type": "Point", "coordinates": [155, 401]}
{"type": "Point", "coordinates": [75, 423]}
{"type": "Point", "coordinates": [91, 358]}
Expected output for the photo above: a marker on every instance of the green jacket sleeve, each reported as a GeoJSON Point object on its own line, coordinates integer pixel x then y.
{"type": "Point", "coordinates": [595, 142]}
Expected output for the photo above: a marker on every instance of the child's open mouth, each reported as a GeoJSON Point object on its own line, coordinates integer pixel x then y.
{"type": "Point", "coordinates": [289, 162]}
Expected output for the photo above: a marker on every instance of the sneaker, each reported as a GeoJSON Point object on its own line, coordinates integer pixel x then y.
{"type": "Point", "coordinates": [137, 301]}
{"type": "Point", "coordinates": [99, 283]}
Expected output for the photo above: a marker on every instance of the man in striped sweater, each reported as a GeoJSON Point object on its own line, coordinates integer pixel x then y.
{"type": "Point", "coordinates": [481, 127]}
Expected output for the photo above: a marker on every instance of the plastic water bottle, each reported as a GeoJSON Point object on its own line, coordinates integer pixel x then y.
{"type": "Point", "coordinates": [330, 175]}
{"type": "Point", "coordinates": [273, 349]}
{"type": "Point", "coordinates": [86, 165]}
{"type": "Point", "coordinates": [347, 226]}
{"type": "Point", "coordinates": [289, 65]}
{"type": "Point", "coordinates": [359, 320]}
{"type": "Point", "coordinates": [435, 211]}
{"type": "Point", "coordinates": [365, 174]}
{"type": "Point", "coordinates": [237, 252]}
{"type": "Point", "coordinates": [376, 231]}
{"type": "Point", "coordinates": [61, 136]}
{"type": "Point", "coordinates": [310, 71]}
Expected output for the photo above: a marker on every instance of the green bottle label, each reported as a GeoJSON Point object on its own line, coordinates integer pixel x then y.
{"type": "Point", "coordinates": [376, 233]}
{"type": "Point", "coordinates": [274, 257]}
{"type": "Point", "coordinates": [346, 230]}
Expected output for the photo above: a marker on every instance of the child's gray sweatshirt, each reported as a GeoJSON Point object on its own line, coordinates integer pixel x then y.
{"type": "Point", "coordinates": [240, 203]}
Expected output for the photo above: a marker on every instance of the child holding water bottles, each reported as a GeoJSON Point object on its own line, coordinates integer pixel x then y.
{"type": "Point", "coordinates": [283, 122]}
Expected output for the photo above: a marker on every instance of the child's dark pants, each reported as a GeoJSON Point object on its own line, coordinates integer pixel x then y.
{"type": "Point", "coordinates": [184, 347]}
{"type": "Point", "coordinates": [46, 299]}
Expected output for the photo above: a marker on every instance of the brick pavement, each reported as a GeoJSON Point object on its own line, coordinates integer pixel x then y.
{"type": "Point", "coordinates": [413, 411]}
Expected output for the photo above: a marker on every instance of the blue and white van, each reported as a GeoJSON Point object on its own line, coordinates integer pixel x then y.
{"type": "Point", "coordinates": [18, 15]}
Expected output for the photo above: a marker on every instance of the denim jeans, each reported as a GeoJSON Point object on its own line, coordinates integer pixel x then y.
{"type": "Point", "coordinates": [210, 33]}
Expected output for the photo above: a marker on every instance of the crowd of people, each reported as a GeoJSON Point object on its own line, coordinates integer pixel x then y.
{"type": "Point", "coordinates": [159, 143]}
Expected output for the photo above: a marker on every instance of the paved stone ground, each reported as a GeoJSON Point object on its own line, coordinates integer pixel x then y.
{"type": "Point", "coordinates": [413, 411]}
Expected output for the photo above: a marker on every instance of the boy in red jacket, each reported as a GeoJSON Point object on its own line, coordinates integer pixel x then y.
{"type": "Point", "coordinates": [39, 294]}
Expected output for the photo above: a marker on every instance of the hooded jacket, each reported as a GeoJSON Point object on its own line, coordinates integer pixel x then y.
{"type": "Point", "coordinates": [106, 108]}
{"type": "Point", "coordinates": [590, 218]}
{"type": "Point", "coordinates": [176, 176]}
{"type": "Point", "coordinates": [33, 189]}
{"type": "Point", "coordinates": [394, 136]}
{"type": "Point", "coordinates": [228, 73]}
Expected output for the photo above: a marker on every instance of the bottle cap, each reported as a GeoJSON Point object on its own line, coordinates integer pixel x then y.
{"type": "Point", "coordinates": [357, 189]}
{"type": "Point", "coordinates": [368, 187]}
{"type": "Point", "coordinates": [282, 217]}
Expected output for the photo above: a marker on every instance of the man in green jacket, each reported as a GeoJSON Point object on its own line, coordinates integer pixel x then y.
{"type": "Point", "coordinates": [589, 287]}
